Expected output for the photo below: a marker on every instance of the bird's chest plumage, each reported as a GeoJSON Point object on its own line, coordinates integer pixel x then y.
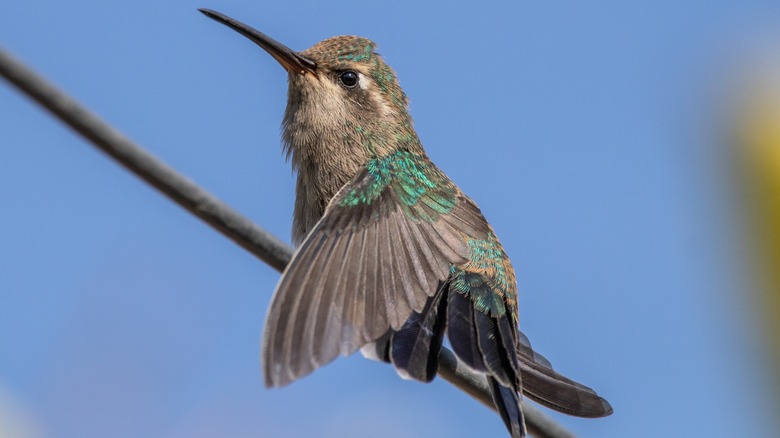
{"type": "Point", "coordinates": [325, 150]}
{"type": "Point", "coordinates": [318, 181]}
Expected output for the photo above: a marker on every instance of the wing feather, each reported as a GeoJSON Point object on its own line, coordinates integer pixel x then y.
{"type": "Point", "coordinates": [403, 271]}
{"type": "Point", "coordinates": [355, 306]}
{"type": "Point", "coordinates": [417, 274]}
{"type": "Point", "coordinates": [394, 303]}
{"type": "Point", "coordinates": [377, 319]}
{"type": "Point", "coordinates": [278, 321]}
{"type": "Point", "coordinates": [306, 318]}
{"type": "Point", "coordinates": [373, 259]}
{"type": "Point", "coordinates": [335, 313]}
{"type": "Point", "coordinates": [427, 264]}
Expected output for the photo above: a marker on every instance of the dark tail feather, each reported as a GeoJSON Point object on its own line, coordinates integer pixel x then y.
{"type": "Point", "coordinates": [414, 349]}
{"type": "Point", "coordinates": [483, 343]}
{"type": "Point", "coordinates": [545, 386]}
{"type": "Point", "coordinates": [507, 401]}
{"type": "Point", "coordinates": [462, 331]}
{"type": "Point", "coordinates": [555, 391]}
{"type": "Point", "coordinates": [500, 361]}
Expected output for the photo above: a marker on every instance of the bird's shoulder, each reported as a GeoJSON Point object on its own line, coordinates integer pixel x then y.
{"type": "Point", "coordinates": [411, 182]}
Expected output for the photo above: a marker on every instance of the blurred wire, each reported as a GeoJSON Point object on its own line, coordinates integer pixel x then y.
{"type": "Point", "coordinates": [219, 215]}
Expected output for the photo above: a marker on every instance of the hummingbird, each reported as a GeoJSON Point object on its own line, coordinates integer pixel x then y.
{"type": "Point", "coordinates": [391, 255]}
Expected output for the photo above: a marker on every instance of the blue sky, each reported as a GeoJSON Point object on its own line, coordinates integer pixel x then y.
{"type": "Point", "coordinates": [587, 133]}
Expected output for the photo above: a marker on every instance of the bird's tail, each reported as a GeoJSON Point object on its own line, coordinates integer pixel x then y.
{"type": "Point", "coordinates": [414, 349]}
{"type": "Point", "coordinates": [483, 342]}
{"type": "Point", "coordinates": [507, 401]}
{"type": "Point", "coordinates": [488, 344]}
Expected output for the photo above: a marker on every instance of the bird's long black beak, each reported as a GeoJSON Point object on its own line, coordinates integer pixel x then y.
{"type": "Point", "coordinates": [291, 60]}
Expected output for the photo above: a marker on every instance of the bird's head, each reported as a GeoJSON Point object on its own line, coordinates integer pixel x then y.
{"type": "Point", "coordinates": [340, 90]}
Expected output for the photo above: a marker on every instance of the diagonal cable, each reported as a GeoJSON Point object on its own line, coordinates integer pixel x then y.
{"type": "Point", "coordinates": [219, 215]}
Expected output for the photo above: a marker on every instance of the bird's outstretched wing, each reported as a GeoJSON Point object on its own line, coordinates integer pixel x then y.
{"type": "Point", "coordinates": [400, 258]}
{"type": "Point", "coordinates": [384, 244]}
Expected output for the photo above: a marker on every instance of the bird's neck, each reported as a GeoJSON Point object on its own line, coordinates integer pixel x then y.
{"type": "Point", "coordinates": [328, 144]}
{"type": "Point", "coordinates": [326, 159]}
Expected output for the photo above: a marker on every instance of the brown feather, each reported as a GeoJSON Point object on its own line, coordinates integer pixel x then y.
{"type": "Point", "coordinates": [362, 271]}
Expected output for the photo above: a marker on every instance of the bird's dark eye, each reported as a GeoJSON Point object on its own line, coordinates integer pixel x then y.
{"type": "Point", "coordinates": [348, 78]}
